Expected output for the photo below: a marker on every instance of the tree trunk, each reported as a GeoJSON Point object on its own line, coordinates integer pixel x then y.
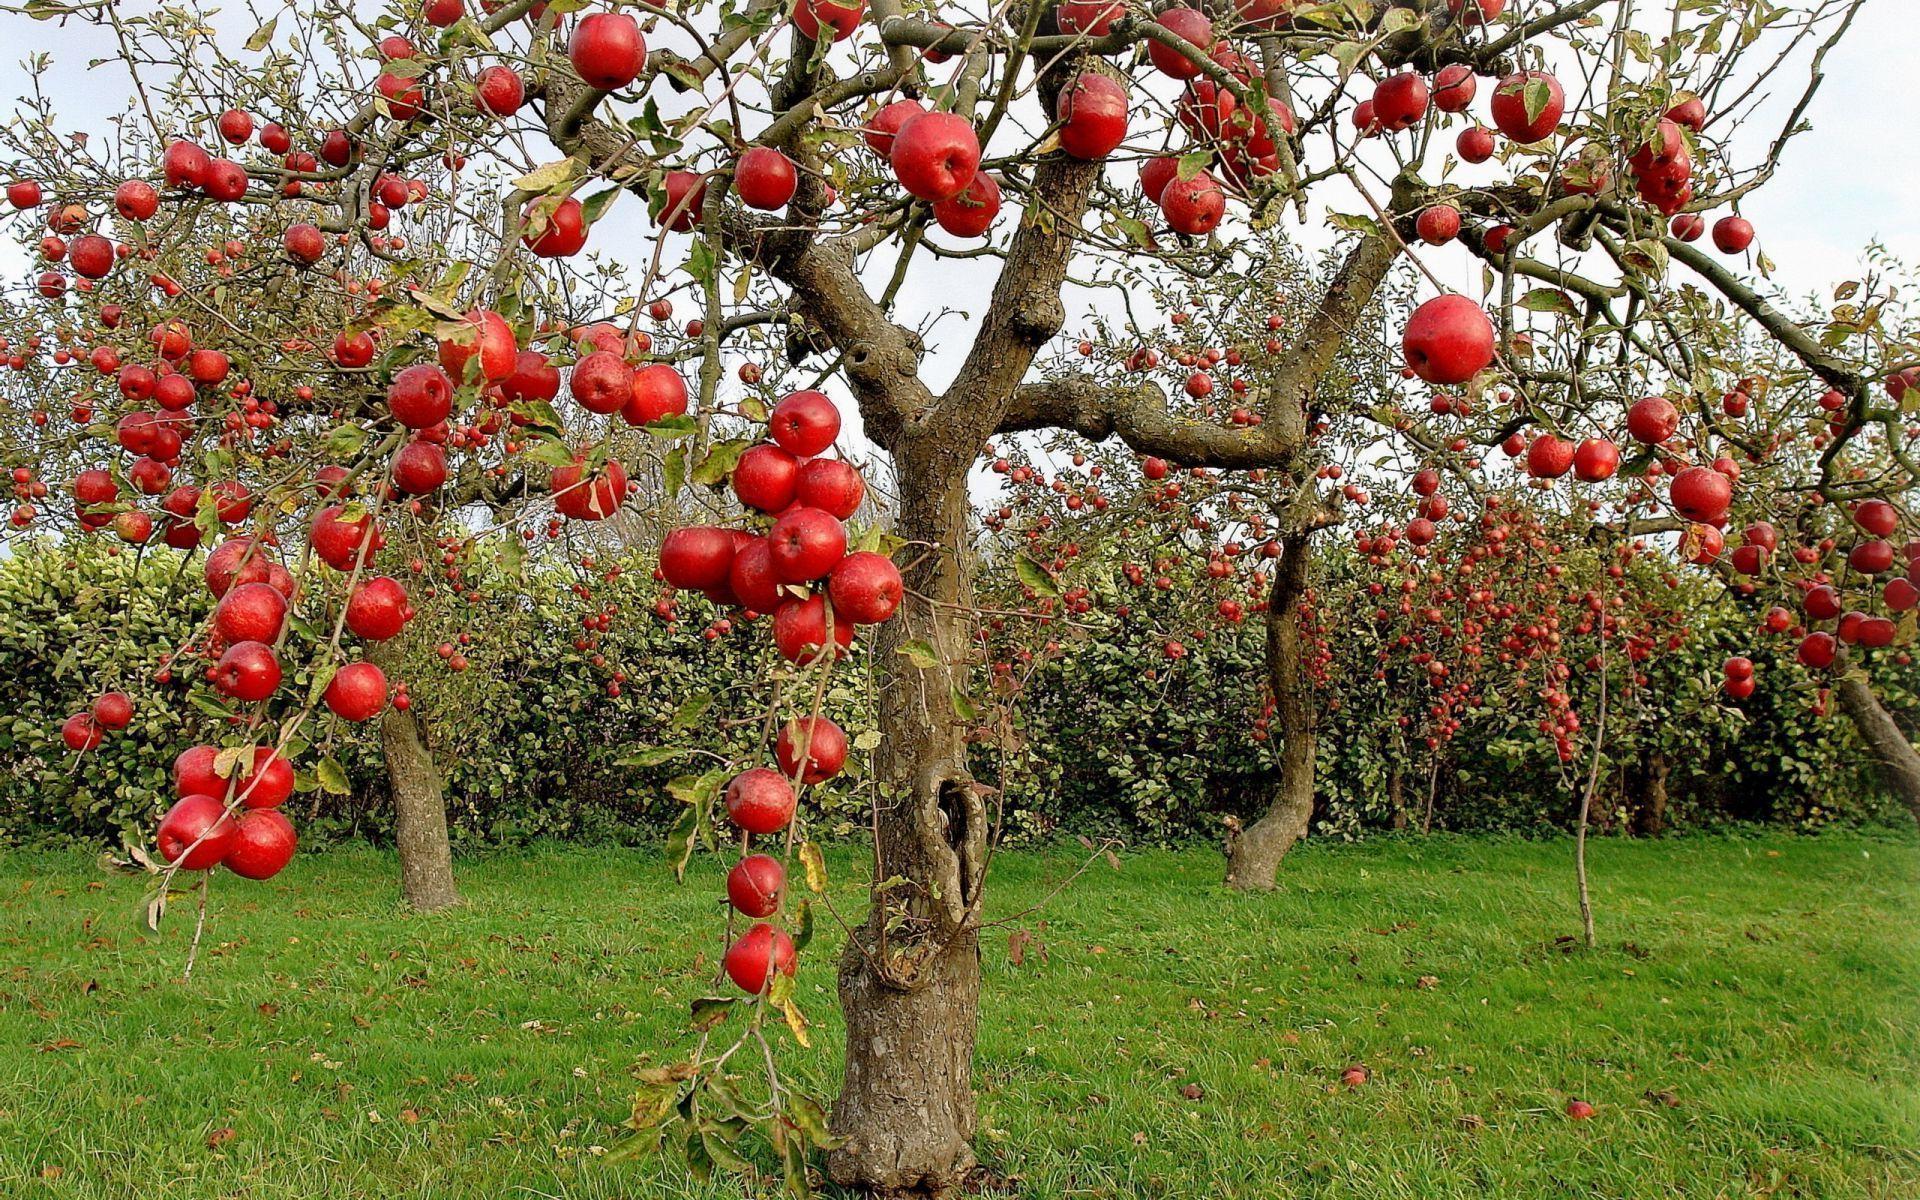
{"type": "Point", "coordinates": [1254, 853]}
{"type": "Point", "coordinates": [1397, 796]}
{"type": "Point", "coordinates": [910, 977]}
{"type": "Point", "coordinates": [1650, 794]}
{"type": "Point", "coordinates": [1899, 763]}
{"type": "Point", "coordinates": [419, 813]}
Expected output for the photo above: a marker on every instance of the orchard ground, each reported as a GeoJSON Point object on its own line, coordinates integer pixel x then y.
{"type": "Point", "coordinates": [1748, 1027]}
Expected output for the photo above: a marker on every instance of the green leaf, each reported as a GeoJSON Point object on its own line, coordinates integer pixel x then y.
{"type": "Point", "coordinates": [551, 177]}
{"type": "Point", "coordinates": [803, 925]}
{"type": "Point", "coordinates": [1399, 20]}
{"type": "Point", "coordinates": [650, 758]}
{"type": "Point", "coordinates": [692, 709]}
{"type": "Point", "coordinates": [701, 263]}
{"type": "Point", "coordinates": [343, 441]}
{"type": "Point", "coordinates": [263, 35]}
{"type": "Point", "coordinates": [680, 841]}
{"type": "Point", "coordinates": [1646, 255]}
{"type": "Point", "coordinates": [709, 1011]}
{"type": "Point", "coordinates": [1553, 300]}
{"type": "Point", "coordinates": [1136, 231]}
{"type": "Point", "coordinates": [548, 451]}
{"type": "Point", "coordinates": [720, 460]}
{"type": "Point", "coordinates": [332, 776]}
{"type": "Point", "coordinates": [809, 1116]}
{"type": "Point", "coordinates": [595, 205]}
{"type": "Point", "coordinates": [322, 676]}
{"type": "Point", "coordinates": [673, 470]}
{"type": "Point", "coordinates": [674, 427]}
{"type": "Point", "coordinates": [1035, 576]}
{"type": "Point", "coordinates": [1536, 94]}
{"type": "Point", "coordinates": [963, 708]}
{"type": "Point", "coordinates": [919, 654]}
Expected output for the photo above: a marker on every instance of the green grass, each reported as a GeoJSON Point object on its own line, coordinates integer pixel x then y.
{"type": "Point", "coordinates": [357, 1051]}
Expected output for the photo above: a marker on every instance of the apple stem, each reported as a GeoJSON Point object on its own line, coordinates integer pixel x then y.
{"type": "Point", "coordinates": [199, 925]}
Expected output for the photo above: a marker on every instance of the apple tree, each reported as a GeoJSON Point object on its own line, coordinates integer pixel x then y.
{"type": "Point", "coordinates": [811, 176]}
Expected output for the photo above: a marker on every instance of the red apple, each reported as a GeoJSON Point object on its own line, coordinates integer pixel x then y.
{"type": "Point", "coordinates": [805, 544]}
{"type": "Point", "coordinates": [764, 178]}
{"type": "Point", "coordinates": [865, 588]}
{"type": "Point", "coordinates": [263, 844]}
{"type": "Point", "coordinates": [1448, 340]}
{"type": "Point", "coordinates": [765, 477]}
{"type": "Point", "coordinates": [760, 800]}
{"type": "Point", "coordinates": [831, 486]}
{"type": "Point", "coordinates": [754, 885]}
{"type": "Point", "coordinates": [607, 50]}
{"type": "Point", "coordinates": [825, 747]}
{"type": "Point", "coordinates": [697, 557]}
{"type": "Point", "coordinates": [1092, 111]}
{"type": "Point", "coordinates": [1527, 106]}
{"type": "Point", "coordinates": [761, 950]}
{"type": "Point", "coordinates": [935, 156]}
{"type": "Point", "coordinates": [196, 819]}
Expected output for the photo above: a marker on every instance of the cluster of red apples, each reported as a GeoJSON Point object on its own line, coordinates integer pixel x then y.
{"type": "Point", "coordinates": [793, 564]}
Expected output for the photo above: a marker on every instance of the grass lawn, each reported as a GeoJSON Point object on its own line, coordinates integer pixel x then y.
{"type": "Point", "coordinates": [1750, 1026]}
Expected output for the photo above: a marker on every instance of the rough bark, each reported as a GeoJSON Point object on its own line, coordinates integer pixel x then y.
{"type": "Point", "coordinates": [910, 979]}
{"type": "Point", "coordinates": [1254, 853]}
{"type": "Point", "coordinates": [1887, 744]}
{"type": "Point", "coordinates": [419, 808]}
{"type": "Point", "coordinates": [1397, 797]}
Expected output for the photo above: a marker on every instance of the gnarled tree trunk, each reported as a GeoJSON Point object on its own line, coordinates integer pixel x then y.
{"type": "Point", "coordinates": [1886, 742]}
{"type": "Point", "coordinates": [910, 978]}
{"type": "Point", "coordinates": [1254, 853]}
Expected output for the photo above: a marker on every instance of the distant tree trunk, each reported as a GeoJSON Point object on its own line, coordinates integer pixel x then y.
{"type": "Point", "coordinates": [419, 811]}
{"type": "Point", "coordinates": [1886, 742]}
{"type": "Point", "coordinates": [1397, 796]}
{"type": "Point", "coordinates": [1254, 853]}
{"type": "Point", "coordinates": [1649, 781]}
{"type": "Point", "coordinates": [1433, 790]}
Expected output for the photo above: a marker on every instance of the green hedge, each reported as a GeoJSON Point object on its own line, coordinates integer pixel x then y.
{"type": "Point", "coordinates": [1113, 738]}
